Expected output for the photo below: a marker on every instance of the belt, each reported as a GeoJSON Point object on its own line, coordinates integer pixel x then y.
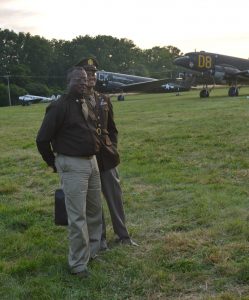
{"type": "Point", "coordinates": [84, 157]}
{"type": "Point", "coordinates": [87, 157]}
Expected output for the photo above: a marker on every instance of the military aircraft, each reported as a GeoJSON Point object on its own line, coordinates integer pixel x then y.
{"type": "Point", "coordinates": [213, 68]}
{"type": "Point", "coordinates": [28, 99]}
{"type": "Point", "coordinates": [109, 82]}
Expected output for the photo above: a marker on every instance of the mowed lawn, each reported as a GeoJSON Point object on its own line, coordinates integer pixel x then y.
{"type": "Point", "coordinates": [185, 177]}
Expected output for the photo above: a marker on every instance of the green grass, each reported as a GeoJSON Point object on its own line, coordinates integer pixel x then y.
{"type": "Point", "coordinates": [185, 176]}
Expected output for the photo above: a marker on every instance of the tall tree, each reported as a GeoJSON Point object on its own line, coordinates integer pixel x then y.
{"type": "Point", "coordinates": [39, 64]}
{"type": "Point", "coordinates": [8, 50]}
{"type": "Point", "coordinates": [37, 55]}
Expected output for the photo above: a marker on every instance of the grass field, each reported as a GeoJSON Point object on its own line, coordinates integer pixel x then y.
{"type": "Point", "coordinates": [185, 177]}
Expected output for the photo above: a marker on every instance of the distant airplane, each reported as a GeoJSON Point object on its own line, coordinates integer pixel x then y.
{"type": "Point", "coordinates": [109, 82]}
{"type": "Point", "coordinates": [28, 99]}
{"type": "Point", "coordinates": [213, 68]}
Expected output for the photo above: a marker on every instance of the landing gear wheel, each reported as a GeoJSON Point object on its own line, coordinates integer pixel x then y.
{"type": "Point", "coordinates": [204, 94]}
{"type": "Point", "coordinates": [120, 97]}
{"type": "Point", "coordinates": [233, 92]}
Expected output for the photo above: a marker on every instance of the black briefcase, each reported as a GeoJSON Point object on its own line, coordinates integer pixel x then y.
{"type": "Point", "coordinates": [60, 212]}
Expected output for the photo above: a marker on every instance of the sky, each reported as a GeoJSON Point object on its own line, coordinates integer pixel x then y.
{"type": "Point", "coordinates": [220, 26]}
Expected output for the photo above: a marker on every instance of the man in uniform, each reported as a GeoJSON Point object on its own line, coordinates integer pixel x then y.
{"type": "Point", "coordinates": [67, 141]}
{"type": "Point", "coordinates": [107, 157]}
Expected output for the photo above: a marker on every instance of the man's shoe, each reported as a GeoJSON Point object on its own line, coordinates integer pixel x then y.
{"type": "Point", "coordinates": [103, 245]}
{"type": "Point", "coordinates": [82, 274]}
{"type": "Point", "coordinates": [128, 242]}
{"type": "Point", "coordinates": [132, 243]}
{"type": "Point", "coordinates": [96, 258]}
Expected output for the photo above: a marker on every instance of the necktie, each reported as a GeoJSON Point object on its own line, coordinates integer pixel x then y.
{"type": "Point", "coordinates": [92, 101]}
{"type": "Point", "coordinates": [84, 108]}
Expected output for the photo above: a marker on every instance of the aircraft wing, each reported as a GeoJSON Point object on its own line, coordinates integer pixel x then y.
{"type": "Point", "coordinates": [33, 98]}
{"type": "Point", "coordinates": [234, 73]}
{"type": "Point", "coordinates": [243, 73]}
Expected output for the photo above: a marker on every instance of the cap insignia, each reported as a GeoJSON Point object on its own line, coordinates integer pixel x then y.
{"type": "Point", "coordinates": [90, 62]}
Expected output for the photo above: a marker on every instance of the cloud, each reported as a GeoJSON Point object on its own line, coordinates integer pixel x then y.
{"type": "Point", "coordinates": [16, 19]}
{"type": "Point", "coordinates": [6, 2]}
{"type": "Point", "coordinates": [15, 13]}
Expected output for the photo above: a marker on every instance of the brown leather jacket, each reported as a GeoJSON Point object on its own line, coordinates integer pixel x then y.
{"type": "Point", "coordinates": [64, 130]}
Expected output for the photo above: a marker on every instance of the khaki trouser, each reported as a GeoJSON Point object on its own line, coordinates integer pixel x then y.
{"type": "Point", "coordinates": [81, 185]}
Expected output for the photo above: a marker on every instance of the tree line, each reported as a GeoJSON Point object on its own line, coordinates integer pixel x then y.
{"type": "Point", "coordinates": [35, 65]}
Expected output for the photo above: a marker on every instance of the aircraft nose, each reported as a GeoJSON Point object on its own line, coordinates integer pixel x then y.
{"type": "Point", "coordinates": [182, 61]}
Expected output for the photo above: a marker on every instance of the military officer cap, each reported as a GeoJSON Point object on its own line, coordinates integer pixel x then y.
{"type": "Point", "coordinates": [89, 64]}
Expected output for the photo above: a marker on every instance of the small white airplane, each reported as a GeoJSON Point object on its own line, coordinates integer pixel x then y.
{"type": "Point", "coordinates": [28, 99]}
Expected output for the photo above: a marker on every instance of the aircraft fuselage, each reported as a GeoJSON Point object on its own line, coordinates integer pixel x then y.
{"type": "Point", "coordinates": [206, 61]}
{"type": "Point", "coordinates": [111, 82]}
{"type": "Point", "coordinates": [215, 67]}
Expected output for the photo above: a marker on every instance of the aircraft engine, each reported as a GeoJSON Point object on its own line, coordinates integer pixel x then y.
{"type": "Point", "coordinates": [219, 76]}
